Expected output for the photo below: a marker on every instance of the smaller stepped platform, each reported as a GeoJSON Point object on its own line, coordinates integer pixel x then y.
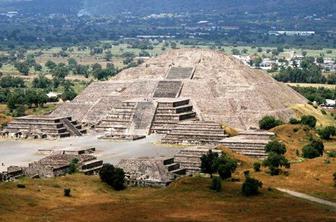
{"type": "Point", "coordinates": [250, 143]}
{"type": "Point", "coordinates": [195, 133]}
{"type": "Point", "coordinates": [121, 137]}
{"type": "Point", "coordinates": [44, 127]}
{"type": "Point", "coordinates": [190, 158]}
{"type": "Point", "coordinates": [170, 112]}
{"type": "Point", "coordinates": [151, 172]}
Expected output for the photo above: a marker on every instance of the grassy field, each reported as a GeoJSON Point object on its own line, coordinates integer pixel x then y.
{"type": "Point", "coordinates": [188, 199]}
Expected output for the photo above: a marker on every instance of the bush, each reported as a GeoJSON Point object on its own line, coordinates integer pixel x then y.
{"type": "Point", "coordinates": [274, 161]}
{"type": "Point", "coordinates": [269, 122]}
{"type": "Point", "coordinates": [208, 163]}
{"type": "Point", "coordinates": [309, 121]}
{"type": "Point", "coordinates": [216, 184]}
{"type": "Point", "coordinates": [294, 121]}
{"type": "Point", "coordinates": [332, 154]}
{"type": "Point", "coordinates": [318, 145]}
{"type": "Point", "coordinates": [225, 166]}
{"type": "Point", "coordinates": [115, 177]}
{"type": "Point", "coordinates": [67, 192]}
{"type": "Point", "coordinates": [327, 132]}
{"type": "Point", "coordinates": [334, 175]}
{"type": "Point", "coordinates": [256, 166]}
{"type": "Point", "coordinates": [73, 167]}
{"type": "Point", "coordinates": [310, 152]}
{"type": "Point", "coordinates": [276, 147]}
{"type": "Point", "coordinates": [251, 186]}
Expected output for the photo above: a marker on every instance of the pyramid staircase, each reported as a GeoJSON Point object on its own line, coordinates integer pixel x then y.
{"type": "Point", "coordinates": [170, 112]}
{"type": "Point", "coordinates": [119, 121]}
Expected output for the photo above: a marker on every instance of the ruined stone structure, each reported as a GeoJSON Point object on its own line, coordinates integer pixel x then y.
{"type": "Point", "coordinates": [56, 164]}
{"type": "Point", "coordinates": [44, 127]}
{"type": "Point", "coordinates": [251, 143]}
{"type": "Point", "coordinates": [150, 172]}
{"type": "Point", "coordinates": [190, 158]}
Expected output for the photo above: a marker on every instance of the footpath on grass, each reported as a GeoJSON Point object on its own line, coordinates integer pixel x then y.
{"type": "Point", "coordinates": [308, 197]}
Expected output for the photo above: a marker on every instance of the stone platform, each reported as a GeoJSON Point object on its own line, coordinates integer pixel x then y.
{"type": "Point", "coordinates": [190, 158]}
{"type": "Point", "coordinates": [195, 132]}
{"type": "Point", "coordinates": [44, 127]}
{"type": "Point", "coordinates": [145, 171]}
{"type": "Point", "coordinates": [251, 143]}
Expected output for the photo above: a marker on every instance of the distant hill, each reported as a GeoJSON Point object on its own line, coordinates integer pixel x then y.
{"type": "Point", "coordinates": [145, 7]}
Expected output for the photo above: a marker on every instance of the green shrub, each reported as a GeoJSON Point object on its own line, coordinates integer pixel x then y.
{"type": "Point", "coordinates": [208, 163]}
{"type": "Point", "coordinates": [318, 145]}
{"type": "Point", "coordinates": [310, 152]}
{"type": "Point", "coordinates": [294, 121]}
{"type": "Point", "coordinates": [276, 147]}
{"type": "Point", "coordinates": [332, 154]}
{"type": "Point", "coordinates": [323, 112]}
{"type": "Point", "coordinates": [274, 161]}
{"type": "Point", "coordinates": [73, 167]}
{"type": "Point", "coordinates": [309, 121]}
{"type": "Point", "coordinates": [269, 122]}
{"type": "Point", "coordinates": [216, 184]}
{"type": "Point", "coordinates": [256, 166]}
{"type": "Point", "coordinates": [225, 166]}
{"type": "Point", "coordinates": [113, 176]}
{"type": "Point", "coordinates": [251, 186]}
{"type": "Point", "coordinates": [327, 132]}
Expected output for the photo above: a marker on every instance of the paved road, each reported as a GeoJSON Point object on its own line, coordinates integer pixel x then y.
{"type": "Point", "coordinates": [22, 152]}
{"type": "Point", "coordinates": [308, 197]}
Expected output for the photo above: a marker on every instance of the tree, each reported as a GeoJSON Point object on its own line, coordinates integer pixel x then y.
{"type": "Point", "coordinates": [216, 184]}
{"type": "Point", "coordinates": [276, 147]}
{"type": "Point", "coordinates": [11, 82]}
{"type": "Point", "coordinates": [309, 121]}
{"type": "Point", "coordinates": [256, 166]}
{"type": "Point", "coordinates": [60, 71]}
{"type": "Point", "coordinates": [115, 177]}
{"type": "Point", "coordinates": [50, 65]}
{"type": "Point", "coordinates": [69, 92]}
{"type": "Point", "coordinates": [225, 166]}
{"type": "Point", "coordinates": [269, 122]}
{"type": "Point", "coordinates": [22, 67]}
{"type": "Point", "coordinates": [327, 132]}
{"type": "Point", "coordinates": [108, 56]}
{"type": "Point", "coordinates": [313, 150]}
{"type": "Point", "coordinates": [251, 186]}
{"type": "Point", "coordinates": [208, 163]}
{"type": "Point", "coordinates": [73, 166]}
{"type": "Point", "coordinates": [274, 162]}
{"type": "Point", "coordinates": [41, 82]}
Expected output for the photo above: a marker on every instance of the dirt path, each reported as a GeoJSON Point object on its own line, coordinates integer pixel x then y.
{"type": "Point", "coordinates": [308, 197]}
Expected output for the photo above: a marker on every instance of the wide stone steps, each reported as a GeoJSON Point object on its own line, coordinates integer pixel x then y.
{"type": "Point", "coordinates": [176, 117]}
{"type": "Point", "coordinates": [174, 110]}
{"type": "Point", "coordinates": [177, 103]}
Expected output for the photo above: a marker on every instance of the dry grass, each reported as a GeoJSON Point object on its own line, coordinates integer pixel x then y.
{"type": "Point", "coordinates": [316, 85]}
{"type": "Point", "coordinates": [306, 109]}
{"type": "Point", "coordinates": [188, 199]}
